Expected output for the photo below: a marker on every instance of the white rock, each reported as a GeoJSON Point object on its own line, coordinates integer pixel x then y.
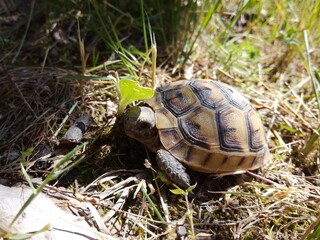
{"type": "Point", "coordinates": [40, 212]}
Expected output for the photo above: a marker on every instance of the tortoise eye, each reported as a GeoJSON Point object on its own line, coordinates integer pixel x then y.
{"type": "Point", "coordinates": [144, 125]}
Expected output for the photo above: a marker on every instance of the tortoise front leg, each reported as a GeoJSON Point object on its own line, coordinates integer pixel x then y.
{"type": "Point", "coordinates": [173, 168]}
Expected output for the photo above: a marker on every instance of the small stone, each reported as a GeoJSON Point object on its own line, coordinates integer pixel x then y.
{"type": "Point", "coordinates": [181, 231]}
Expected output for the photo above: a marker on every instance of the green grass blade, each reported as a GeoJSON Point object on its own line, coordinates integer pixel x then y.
{"type": "Point", "coordinates": [52, 175]}
{"type": "Point", "coordinates": [155, 209]}
{"type": "Point", "coordinates": [144, 26]}
{"type": "Point", "coordinates": [310, 144]}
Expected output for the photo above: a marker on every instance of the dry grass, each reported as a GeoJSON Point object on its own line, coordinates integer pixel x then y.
{"type": "Point", "coordinates": [122, 195]}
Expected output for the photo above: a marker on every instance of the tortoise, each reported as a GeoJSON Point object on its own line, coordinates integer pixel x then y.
{"type": "Point", "coordinates": [204, 125]}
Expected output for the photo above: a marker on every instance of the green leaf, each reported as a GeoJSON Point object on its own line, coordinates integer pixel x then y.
{"type": "Point", "coordinates": [131, 91]}
{"type": "Point", "coordinates": [191, 187]}
{"type": "Point", "coordinates": [178, 191]}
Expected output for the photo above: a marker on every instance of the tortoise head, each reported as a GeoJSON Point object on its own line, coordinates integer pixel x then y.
{"type": "Point", "coordinates": [140, 124]}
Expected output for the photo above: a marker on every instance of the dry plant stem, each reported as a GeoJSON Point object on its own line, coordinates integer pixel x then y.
{"type": "Point", "coordinates": [226, 73]}
{"type": "Point", "coordinates": [164, 205]}
{"type": "Point", "coordinates": [300, 100]}
{"type": "Point", "coordinates": [161, 194]}
{"type": "Point", "coordinates": [29, 126]}
{"type": "Point", "coordinates": [107, 177]}
{"type": "Point", "coordinates": [282, 143]}
{"type": "Point", "coordinates": [190, 216]}
{"type": "Point", "coordinates": [285, 104]}
{"type": "Point", "coordinates": [138, 222]}
{"type": "Point", "coordinates": [163, 198]}
{"type": "Point", "coordinates": [146, 218]}
{"type": "Point", "coordinates": [117, 206]}
{"type": "Point", "coordinates": [43, 64]}
{"type": "Point", "coordinates": [12, 79]}
{"type": "Point", "coordinates": [264, 179]}
{"type": "Point", "coordinates": [154, 60]}
{"type": "Point", "coordinates": [97, 218]}
{"type": "Point", "coordinates": [65, 119]}
{"type": "Point", "coordinates": [116, 188]}
{"type": "Point", "coordinates": [126, 225]}
{"type": "Point", "coordinates": [83, 56]}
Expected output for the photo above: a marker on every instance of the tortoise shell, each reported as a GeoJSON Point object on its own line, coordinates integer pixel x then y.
{"type": "Point", "coordinates": [209, 126]}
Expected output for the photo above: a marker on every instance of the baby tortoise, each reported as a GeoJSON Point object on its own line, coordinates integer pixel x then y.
{"type": "Point", "coordinates": [204, 125]}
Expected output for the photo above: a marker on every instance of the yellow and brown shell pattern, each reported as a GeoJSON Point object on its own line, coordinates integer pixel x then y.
{"type": "Point", "coordinates": [209, 126]}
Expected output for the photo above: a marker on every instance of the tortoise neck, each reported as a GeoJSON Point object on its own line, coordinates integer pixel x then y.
{"type": "Point", "coordinates": [153, 144]}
